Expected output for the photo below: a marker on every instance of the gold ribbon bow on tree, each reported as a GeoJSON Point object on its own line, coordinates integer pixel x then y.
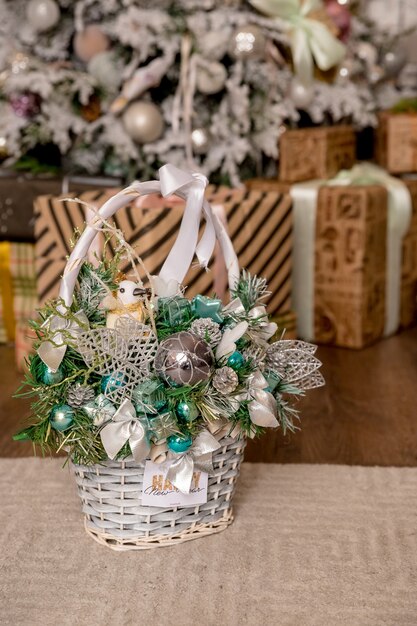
{"type": "Point", "coordinates": [311, 39]}
{"type": "Point", "coordinates": [122, 428]}
{"type": "Point", "coordinates": [199, 456]}
{"type": "Point", "coordinates": [63, 331]}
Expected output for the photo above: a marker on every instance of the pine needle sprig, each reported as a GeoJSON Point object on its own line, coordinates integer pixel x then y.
{"type": "Point", "coordinates": [250, 289]}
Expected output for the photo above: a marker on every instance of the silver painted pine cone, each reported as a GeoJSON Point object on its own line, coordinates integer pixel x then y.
{"type": "Point", "coordinates": [225, 380]}
{"type": "Point", "coordinates": [207, 329]}
{"type": "Point", "coordinates": [78, 395]}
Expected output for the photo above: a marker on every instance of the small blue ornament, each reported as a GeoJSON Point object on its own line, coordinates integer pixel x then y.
{"type": "Point", "coordinates": [111, 382]}
{"type": "Point", "coordinates": [48, 377]}
{"type": "Point", "coordinates": [61, 417]}
{"type": "Point", "coordinates": [207, 307]}
{"type": "Point", "coordinates": [179, 443]}
{"type": "Point", "coordinates": [236, 360]}
{"type": "Point", "coordinates": [186, 411]}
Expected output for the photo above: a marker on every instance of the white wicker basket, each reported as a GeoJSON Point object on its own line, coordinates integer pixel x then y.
{"type": "Point", "coordinates": [114, 516]}
{"type": "Point", "coordinates": [111, 492]}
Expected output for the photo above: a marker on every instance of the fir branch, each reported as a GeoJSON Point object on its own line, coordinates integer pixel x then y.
{"type": "Point", "coordinates": [250, 289]}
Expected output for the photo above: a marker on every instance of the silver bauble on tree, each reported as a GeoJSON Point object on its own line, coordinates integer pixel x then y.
{"type": "Point", "coordinates": [393, 61]}
{"type": "Point", "coordinates": [184, 359]}
{"type": "Point", "coordinates": [211, 78]}
{"type": "Point", "coordinates": [200, 140]}
{"type": "Point", "coordinates": [42, 15]}
{"type": "Point", "coordinates": [302, 95]}
{"type": "Point", "coordinates": [247, 42]}
{"type": "Point", "coordinates": [143, 122]}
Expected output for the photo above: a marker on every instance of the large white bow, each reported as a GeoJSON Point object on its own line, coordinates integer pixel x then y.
{"type": "Point", "coordinates": [64, 331]}
{"type": "Point", "coordinates": [200, 456]}
{"type": "Point", "coordinates": [125, 427]}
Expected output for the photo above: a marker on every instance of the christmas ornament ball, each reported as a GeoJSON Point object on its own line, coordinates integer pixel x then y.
{"type": "Point", "coordinates": [184, 359]}
{"type": "Point", "coordinates": [89, 42]}
{"type": "Point", "coordinates": [61, 417]}
{"type": "Point", "coordinates": [200, 140]}
{"type": "Point", "coordinates": [236, 360]}
{"type": "Point", "coordinates": [48, 377]}
{"type": "Point", "coordinates": [186, 411]}
{"type": "Point", "coordinates": [393, 62]}
{"type": "Point", "coordinates": [247, 42]}
{"type": "Point", "coordinates": [179, 443]}
{"type": "Point", "coordinates": [42, 15]}
{"type": "Point", "coordinates": [143, 122]}
{"type": "Point", "coordinates": [211, 78]}
{"type": "Point", "coordinates": [301, 95]}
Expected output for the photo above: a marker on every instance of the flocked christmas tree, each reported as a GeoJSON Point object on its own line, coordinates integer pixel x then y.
{"type": "Point", "coordinates": [117, 87]}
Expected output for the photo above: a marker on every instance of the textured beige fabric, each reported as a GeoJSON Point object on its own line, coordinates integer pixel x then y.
{"type": "Point", "coordinates": [310, 546]}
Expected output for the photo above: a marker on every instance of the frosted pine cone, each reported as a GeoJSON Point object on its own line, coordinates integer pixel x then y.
{"type": "Point", "coordinates": [78, 395]}
{"type": "Point", "coordinates": [207, 329]}
{"type": "Point", "coordinates": [225, 380]}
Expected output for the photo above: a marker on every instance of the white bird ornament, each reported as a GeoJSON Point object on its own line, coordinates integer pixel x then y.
{"type": "Point", "coordinates": [127, 302]}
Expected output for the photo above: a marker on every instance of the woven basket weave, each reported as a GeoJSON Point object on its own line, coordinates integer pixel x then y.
{"type": "Point", "coordinates": [114, 516]}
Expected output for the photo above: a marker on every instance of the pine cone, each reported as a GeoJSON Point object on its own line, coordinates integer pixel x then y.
{"type": "Point", "coordinates": [225, 380]}
{"type": "Point", "coordinates": [78, 395]}
{"type": "Point", "coordinates": [207, 329]}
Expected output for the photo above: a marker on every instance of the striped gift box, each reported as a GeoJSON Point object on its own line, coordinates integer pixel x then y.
{"type": "Point", "coordinates": [260, 225]}
{"type": "Point", "coordinates": [18, 297]}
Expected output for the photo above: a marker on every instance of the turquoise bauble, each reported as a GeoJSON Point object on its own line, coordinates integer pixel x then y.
{"type": "Point", "coordinates": [111, 382]}
{"type": "Point", "coordinates": [179, 443]}
{"type": "Point", "coordinates": [48, 377]}
{"type": "Point", "coordinates": [186, 411]}
{"type": "Point", "coordinates": [236, 360]}
{"type": "Point", "coordinates": [61, 417]}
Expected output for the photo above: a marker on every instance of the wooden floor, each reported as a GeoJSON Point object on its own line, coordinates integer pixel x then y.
{"type": "Point", "coordinates": [366, 415]}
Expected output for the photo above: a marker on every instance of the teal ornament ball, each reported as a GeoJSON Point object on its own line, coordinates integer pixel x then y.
{"type": "Point", "coordinates": [112, 382]}
{"type": "Point", "coordinates": [48, 377]}
{"type": "Point", "coordinates": [61, 417]}
{"type": "Point", "coordinates": [207, 307]}
{"type": "Point", "coordinates": [272, 379]}
{"type": "Point", "coordinates": [186, 411]}
{"type": "Point", "coordinates": [236, 360]}
{"type": "Point", "coordinates": [179, 443]}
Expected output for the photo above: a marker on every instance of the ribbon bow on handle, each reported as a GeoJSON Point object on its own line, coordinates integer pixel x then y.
{"type": "Point", "coordinates": [311, 40]}
{"type": "Point", "coordinates": [63, 331]}
{"type": "Point", "coordinates": [123, 427]}
{"type": "Point", "coordinates": [199, 456]}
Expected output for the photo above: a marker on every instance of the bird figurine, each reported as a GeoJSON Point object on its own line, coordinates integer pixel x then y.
{"type": "Point", "coordinates": [127, 302]}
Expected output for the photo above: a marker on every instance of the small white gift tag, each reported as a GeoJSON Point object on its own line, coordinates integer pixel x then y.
{"type": "Point", "coordinates": [158, 491]}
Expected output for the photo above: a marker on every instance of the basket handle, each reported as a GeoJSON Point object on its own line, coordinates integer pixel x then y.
{"type": "Point", "coordinates": [173, 181]}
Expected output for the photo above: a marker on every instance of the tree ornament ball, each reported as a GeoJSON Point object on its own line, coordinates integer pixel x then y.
{"type": "Point", "coordinates": [247, 42]}
{"type": "Point", "coordinates": [143, 122]}
{"type": "Point", "coordinates": [393, 61]}
{"type": "Point", "coordinates": [48, 377]}
{"type": "Point", "coordinates": [61, 417]}
{"type": "Point", "coordinates": [302, 95]}
{"type": "Point", "coordinates": [211, 78]}
{"type": "Point", "coordinates": [106, 69]}
{"type": "Point", "coordinates": [184, 359]}
{"type": "Point", "coordinates": [236, 360]}
{"type": "Point", "coordinates": [42, 15]}
{"type": "Point", "coordinates": [200, 140]}
{"type": "Point", "coordinates": [90, 42]}
{"type": "Point", "coordinates": [179, 443]}
{"type": "Point", "coordinates": [186, 411]}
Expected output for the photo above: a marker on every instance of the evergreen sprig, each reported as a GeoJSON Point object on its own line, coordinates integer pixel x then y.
{"type": "Point", "coordinates": [250, 289]}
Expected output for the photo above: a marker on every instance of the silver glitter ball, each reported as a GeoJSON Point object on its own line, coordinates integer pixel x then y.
{"type": "Point", "coordinates": [184, 359]}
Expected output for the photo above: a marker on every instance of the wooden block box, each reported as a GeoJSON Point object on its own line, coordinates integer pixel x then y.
{"type": "Point", "coordinates": [396, 142]}
{"type": "Point", "coordinates": [311, 153]}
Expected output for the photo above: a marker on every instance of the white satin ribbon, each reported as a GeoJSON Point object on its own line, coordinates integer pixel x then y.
{"type": "Point", "coordinates": [310, 38]}
{"type": "Point", "coordinates": [304, 197]}
{"type": "Point", "coordinates": [64, 332]}
{"type": "Point", "coordinates": [125, 427]}
{"type": "Point", "coordinates": [185, 184]}
{"type": "Point", "coordinates": [262, 405]}
{"type": "Point", "coordinates": [200, 456]}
